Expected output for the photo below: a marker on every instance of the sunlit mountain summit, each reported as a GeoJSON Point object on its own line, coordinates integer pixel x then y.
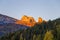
{"type": "Point", "coordinates": [28, 21]}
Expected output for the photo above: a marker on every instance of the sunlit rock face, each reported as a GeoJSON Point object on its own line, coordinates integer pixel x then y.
{"type": "Point", "coordinates": [29, 21]}
{"type": "Point", "coordinates": [26, 20]}
{"type": "Point", "coordinates": [40, 20]}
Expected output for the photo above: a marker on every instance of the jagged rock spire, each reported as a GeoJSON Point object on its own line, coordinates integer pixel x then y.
{"type": "Point", "coordinates": [40, 20]}
{"type": "Point", "coordinates": [26, 20]}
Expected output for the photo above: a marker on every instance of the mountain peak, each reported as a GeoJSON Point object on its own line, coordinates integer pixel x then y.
{"type": "Point", "coordinates": [28, 21]}
{"type": "Point", "coordinates": [40, 20]}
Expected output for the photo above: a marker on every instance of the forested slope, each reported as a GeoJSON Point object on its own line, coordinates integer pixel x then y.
{"type": "Point", "coordinates": [49, 30]}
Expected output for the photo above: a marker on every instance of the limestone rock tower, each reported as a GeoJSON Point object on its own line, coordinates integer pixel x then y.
{"type": "Point", "coordinates": [40, 20]}
{"type": "Point", "coordinates": [27, 20]}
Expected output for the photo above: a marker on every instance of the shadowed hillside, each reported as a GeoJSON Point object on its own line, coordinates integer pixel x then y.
{"type": "Point", "coordinates": [7, 25]}
{"type": "Point", "coordinates": [6, 19]}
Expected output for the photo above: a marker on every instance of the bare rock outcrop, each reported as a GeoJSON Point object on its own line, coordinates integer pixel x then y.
{"type": "Point", "coordinates": [26, 20]}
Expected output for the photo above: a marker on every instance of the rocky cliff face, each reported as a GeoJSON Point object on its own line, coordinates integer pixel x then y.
{"type": "Point", "coordinates": [40, 20]}
{"type": "Point", "coordinates": [26, 20]}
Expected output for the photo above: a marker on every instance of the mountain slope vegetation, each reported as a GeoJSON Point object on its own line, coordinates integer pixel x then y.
{"type": "Point", "coordinates": [49, 30]}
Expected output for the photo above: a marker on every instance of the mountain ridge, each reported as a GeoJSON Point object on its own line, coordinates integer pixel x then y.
{"type": "Point", "coordinates": [25, 20]}
{"type": "Point", "coordinates": [6, 19]}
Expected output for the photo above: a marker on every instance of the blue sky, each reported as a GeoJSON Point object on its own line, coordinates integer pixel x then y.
{"type": "Point", "coordinates": [47, 9]}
